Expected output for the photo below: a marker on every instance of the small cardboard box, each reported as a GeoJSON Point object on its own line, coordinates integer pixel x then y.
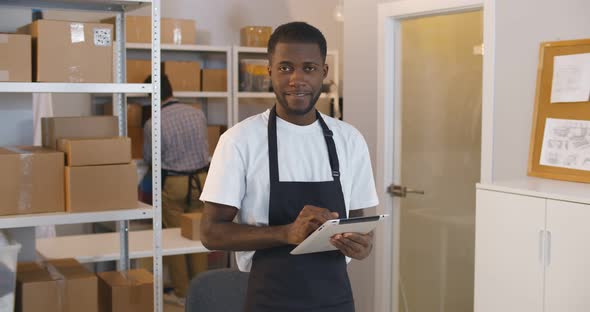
{"type": "Point", "coordinates": [214, 80]}
{"type": "Point", "coordinates": [15, 58]}
{"type": "Point", "coordinates": [138, 70]}
{"type": "Point", "coordinates": [36, 290]}
{"type": "Point", "coordinates": [55, 128]}
{"type": "Point", "coordinates": [71, 51]}
{"type": "Point", "coordinates": [78, 287]}
{"type": "Point", "coordinates": [130, 291]}
{"type": "Point", "coordinates": [190, 225]}
{"type": "Point", "coordinates": [99, 151]}
{"type": "Point", "coordinates": [134, 113]}
{"type": "Point", "coordinates": [183, 76]}
{"type": "Point", "coordinates": [100, 188]}
{"type": "Point", "coordinates": [136, 136]}
{"type": "Point", "coordinates": [213, 135]}
{"type": "Point", "coordinates": [31, 180]}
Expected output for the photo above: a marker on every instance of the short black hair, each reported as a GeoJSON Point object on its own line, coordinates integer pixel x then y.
{"type": "Point", "coordinates": [165, 86]}
{"type": "Point", "coordinates": [297, 32]}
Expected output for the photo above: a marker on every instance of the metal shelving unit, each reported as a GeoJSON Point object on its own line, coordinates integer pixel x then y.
{"type": "Point", "coordinates": [238, 51]}
{"type": "Point", "coordinates": [22, 226]}
{"type": "Point", "coordinates": [201, 50]}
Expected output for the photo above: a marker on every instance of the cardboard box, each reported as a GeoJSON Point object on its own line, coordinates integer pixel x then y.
{"type": "Point", "coordinates": [15, 58]}
{"type": "Point", "coordinates": [134, 113]}
{"type": "Point", "coordinates": [137, 28]}
{"type": "Point", "coordinates": [79, 288]}
{"type": "Point", "coordinates": [178, 31]}
{"type": "Point", "coordinates": [36, 290]}
{"type": "Point", "coordinates": [71, 51]}
{"type": "Point", "coordinates": [58, 285]}
{"type": "Point", "coordinates": [183, 76]}
{"type": "Point", "coordinates": [172, 31]}
{"type": "Point", "coordinates": [131, 291]}
{"type": "Point", "coordinates": [190, 225]}
{"type": "Point", "coordinates": [213, 135]}
{"type": "Point", "coordinates": [255, 36]}
{"type": "Point", "coordinates": [214, 80]}
{"type": "Point", "coordinates": [55, 128]}
{"type": "Point", "coordinates": [136, 136]}
{"type": "Point", "coordinates": [92, 152]}
{"type": "Point", "coordinates": [100, 188]}
{"type": "Point", "coordinates": [138, 70]}
{"type": "Point", "coordinates": [31, 180]}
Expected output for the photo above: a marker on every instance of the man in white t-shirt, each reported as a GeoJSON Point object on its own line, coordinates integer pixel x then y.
{"type": "Point", "coordinates": [283, 173]}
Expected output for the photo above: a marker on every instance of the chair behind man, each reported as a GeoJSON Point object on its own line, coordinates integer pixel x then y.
{"type": "Point", "coordinates": [222, 290]}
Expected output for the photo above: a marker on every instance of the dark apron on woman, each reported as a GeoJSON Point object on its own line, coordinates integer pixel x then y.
{"type": "Point", "coordinates": [316, 282]}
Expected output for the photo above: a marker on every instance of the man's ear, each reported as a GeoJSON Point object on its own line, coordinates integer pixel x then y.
{"type": "Point", "coordinates": [269, 70]}
{"type": "Point", "coordinates": [326, 68]}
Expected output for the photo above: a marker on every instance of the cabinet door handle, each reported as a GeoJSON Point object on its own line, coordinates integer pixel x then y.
{"type": "Point", "coordinates": [548, 249]}
{"type": "Point", "coordinates": [541, 245]}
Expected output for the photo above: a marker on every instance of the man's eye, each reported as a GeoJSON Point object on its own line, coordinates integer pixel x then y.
{"type": "Point", "coordinates": [284, 68]}
{"type": "Point", "coordinates": [310, 68]}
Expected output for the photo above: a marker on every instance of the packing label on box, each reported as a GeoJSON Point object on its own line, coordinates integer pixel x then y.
{"type": "Point", "coordinates": [102, 37]}
{"type": "Point", "coordinates": [77, 32]}
{"type": "Point", "coordinates": [25, 189]}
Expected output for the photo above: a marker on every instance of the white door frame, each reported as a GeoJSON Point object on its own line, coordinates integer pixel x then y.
{"type": "Point", "coordinates": [389, 125]}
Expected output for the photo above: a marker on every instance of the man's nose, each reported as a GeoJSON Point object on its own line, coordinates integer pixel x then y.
{"type": "Point", "coordinates": [297, 77]}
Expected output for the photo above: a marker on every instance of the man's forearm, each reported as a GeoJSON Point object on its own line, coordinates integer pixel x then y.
{"type": "Point", "coordinates": [242, 237]}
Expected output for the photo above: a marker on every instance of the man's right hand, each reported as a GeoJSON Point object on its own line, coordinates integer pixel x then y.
{"type": "Point", "coordinates": [309, 219]}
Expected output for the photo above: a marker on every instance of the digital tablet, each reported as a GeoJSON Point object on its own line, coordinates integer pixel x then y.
{"type": "Point", "coordinates": [319, 240]}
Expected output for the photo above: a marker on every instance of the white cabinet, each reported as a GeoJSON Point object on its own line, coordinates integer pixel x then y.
{"type": "Point", "coordinates": [532, 250]}
{"type": "Point", "coordinates": [567, 272]}
{"type": "Point", "coordinates": [508, 268]}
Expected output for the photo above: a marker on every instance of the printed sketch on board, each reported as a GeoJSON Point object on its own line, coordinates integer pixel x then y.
{"type": "Point", "coordinates": [566, 144]}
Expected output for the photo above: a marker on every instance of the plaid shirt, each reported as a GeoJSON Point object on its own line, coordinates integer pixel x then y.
{"type": "Point", "coordinates": [183, 139]}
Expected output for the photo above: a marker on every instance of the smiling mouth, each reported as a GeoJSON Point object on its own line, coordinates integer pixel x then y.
{"type": "Point", "coordinates": [297, 94]}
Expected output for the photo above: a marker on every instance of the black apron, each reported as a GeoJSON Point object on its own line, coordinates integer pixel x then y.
{"type": "Point", "coordinates": [316, 282]}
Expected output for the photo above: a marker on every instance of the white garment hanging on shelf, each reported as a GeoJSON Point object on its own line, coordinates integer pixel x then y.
{"type": "Point", "coordinates": [42, 107]}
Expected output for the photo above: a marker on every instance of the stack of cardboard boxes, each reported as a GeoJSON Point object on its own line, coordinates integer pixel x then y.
{"type": "Point", "coordinates": [66, 286]}
{"type": "Point", "coordinates": [99, 174]}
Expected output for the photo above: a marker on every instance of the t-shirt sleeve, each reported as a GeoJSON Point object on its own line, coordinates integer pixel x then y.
{"type": "Point", "coordinates": [225, 183]}
{"type": "Point", "coordinates": [363, 192]}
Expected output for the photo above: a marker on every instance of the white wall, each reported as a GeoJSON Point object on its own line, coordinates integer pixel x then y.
{"type": "Point", "coordinates": [520, 27]}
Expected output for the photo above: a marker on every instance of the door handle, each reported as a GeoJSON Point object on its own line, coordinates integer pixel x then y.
{"type": "Point", "coordinates": [402, 191]}
{"type": "Point", "coordinates": [548, 249]}
{"type": "Point", "coordinates": [541, 247]}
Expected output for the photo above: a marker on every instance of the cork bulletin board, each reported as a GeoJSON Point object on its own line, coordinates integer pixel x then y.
{"type": "Point", "coordinates": [560, 138]}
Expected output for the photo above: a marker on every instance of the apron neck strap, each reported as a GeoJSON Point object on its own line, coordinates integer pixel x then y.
{"type": "Point", "coordinates": [273, 150]}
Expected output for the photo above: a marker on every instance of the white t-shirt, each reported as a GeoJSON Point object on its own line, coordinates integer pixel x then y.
{"type": "Point", "coordinates": [239, 171]}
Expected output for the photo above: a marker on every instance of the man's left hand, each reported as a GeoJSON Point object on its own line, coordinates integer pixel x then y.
{"type": "Point", "coordinates": [354, 245]}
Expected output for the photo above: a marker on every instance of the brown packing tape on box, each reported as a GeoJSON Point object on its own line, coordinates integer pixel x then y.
{"type": "Point", "coordinates": [31, 180]}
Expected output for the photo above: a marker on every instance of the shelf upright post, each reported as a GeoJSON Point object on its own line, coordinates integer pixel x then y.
{"type": "Point", "coordinates": [230, 99]}
{"type": "Point", "coordinates": [121, 109]}
{"type": "Point", "coordinates": [156, 159]}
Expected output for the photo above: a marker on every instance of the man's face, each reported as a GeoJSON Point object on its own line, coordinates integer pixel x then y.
{"type": "Point", "coordinates": [297, 71]}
